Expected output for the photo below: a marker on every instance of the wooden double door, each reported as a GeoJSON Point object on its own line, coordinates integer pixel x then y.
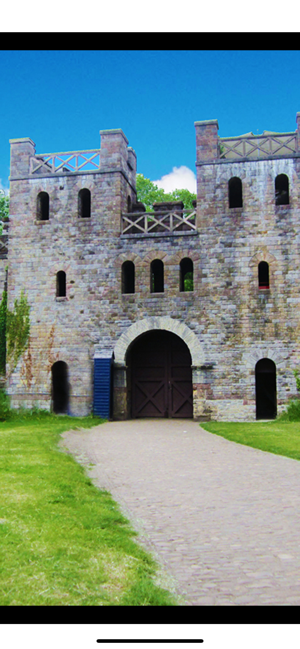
{"type": "Point", "coordinates": [161, 376]}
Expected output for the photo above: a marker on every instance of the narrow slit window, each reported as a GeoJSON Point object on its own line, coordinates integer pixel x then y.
{"type": "Point", "coordinates": [263, 275]}
{"type": "Point", "coordinates": [157, 276]}
{"type": "Point", "coordinates": [186, 275]}
{"type": "Point", "coordinates": [61, 284]}
{"type": "Point", "coordinates": [128, 277]}
{"type": "Point", "coordinates": [84, 204]}
{"type": "Point", "coordinates": [42, 207]}
{"type": "Point", "coordinates": [282, 190]}
{"type": "Point", "coordinates": [235, 192]}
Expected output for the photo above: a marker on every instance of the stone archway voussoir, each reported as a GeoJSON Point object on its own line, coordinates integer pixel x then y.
{"type": "Point", "coordinates": [159, 322]}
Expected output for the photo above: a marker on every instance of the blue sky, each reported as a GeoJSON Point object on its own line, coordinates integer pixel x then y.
{"type": "Point", "coordinates": [62, 99]}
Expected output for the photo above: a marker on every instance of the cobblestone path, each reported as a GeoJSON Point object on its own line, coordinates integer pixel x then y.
{"type": "Point", "coordinates": [222, 519]}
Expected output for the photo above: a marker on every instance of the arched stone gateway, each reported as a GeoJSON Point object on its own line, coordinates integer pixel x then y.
{"type": "Point", "coordinates": [159, 322]}
{"type": "Point", "coordinates": [176, 387]}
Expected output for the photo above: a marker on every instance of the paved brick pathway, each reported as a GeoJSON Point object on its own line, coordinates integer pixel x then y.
{"type": "Point", "coordinates": [222, 519]}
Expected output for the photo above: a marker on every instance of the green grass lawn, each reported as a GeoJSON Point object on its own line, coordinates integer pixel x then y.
{"type": "Point", "coordinates": [278, 436]}
{"type": "Point", "coordinates": [63, 541]}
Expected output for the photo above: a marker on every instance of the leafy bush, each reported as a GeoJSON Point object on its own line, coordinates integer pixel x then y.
{"type": "Point", "coordinates": [17, 331]}
{"type": "Point", "coordinates": [297, 377]}
{"type": "Point", "coordinates": [292, 413]}
{"type": "Point", "coordinates": [14, 332]}
{"type": "Point", "coordinates": [4, 405]}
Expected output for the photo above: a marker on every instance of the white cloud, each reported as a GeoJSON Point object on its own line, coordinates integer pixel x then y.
{"type": "Point", "coordinates": [3, 189]}
{"type": "Point", "coordinates": [179, 178]}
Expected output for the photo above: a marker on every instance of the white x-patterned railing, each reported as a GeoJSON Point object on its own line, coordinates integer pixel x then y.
{"type": "Point", "coordinates": [255, 146]}
{"type": "Point", "coordinates": [69, 162]}
{"type": "Point", "coordinates": [156, 222]}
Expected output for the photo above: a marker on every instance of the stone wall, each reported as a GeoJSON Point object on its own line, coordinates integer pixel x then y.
{"type": "Point", "coordinates": [227, 321]}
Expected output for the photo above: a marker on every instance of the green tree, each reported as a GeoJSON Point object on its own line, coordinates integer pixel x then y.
{"type": "Point", "coordinates": [4, 210]}
{"type": "Point", "coordinates": [4, 207]}
{"type": "Point", "coordinates": [148, 193]}
{"type": "Point", "coordinates": [188, 282]}
{"type": "Point", "coordinates": [185, 196]}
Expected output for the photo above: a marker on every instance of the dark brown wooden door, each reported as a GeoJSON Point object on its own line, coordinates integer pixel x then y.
{"type": "Point", "coordinates": [161, 376]}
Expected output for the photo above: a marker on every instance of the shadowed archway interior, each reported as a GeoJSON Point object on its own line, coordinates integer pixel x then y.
{"type": "Point", "coordinates": [265, 387]}
{"type": "Point", "coordinates": [60, 387]}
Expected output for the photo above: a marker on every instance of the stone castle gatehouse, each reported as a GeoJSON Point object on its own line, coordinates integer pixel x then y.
{"type": "Point", "coordinates": [174, 313]}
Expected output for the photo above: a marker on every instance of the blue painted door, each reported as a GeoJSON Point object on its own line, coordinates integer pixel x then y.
{"type": "Point", "coordinates": [102, 387]}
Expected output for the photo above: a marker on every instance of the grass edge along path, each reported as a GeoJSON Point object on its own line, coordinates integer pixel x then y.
{"type": "Point", "coordinates": [63, 541]}
{"type": "Point", "coordinates": [279, 436]}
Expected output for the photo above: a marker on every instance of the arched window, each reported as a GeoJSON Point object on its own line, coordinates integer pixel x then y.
{"type": "Point", "coordinates": [186, 275]}
{"type": "Point", "coordinates": [282, 190]}
{"type": "Point", "coordinates": [235, 192]}
{"type": "Point", "coordinates": [128, 277]}
{"type": "Point", "coordinates": [157, 276]}
{"type": "Point", "coordinates": [84, 204]}
{"type": "Point", "coordinates": [263, 275]}
{"type": "Point", "coordinates": [61, 284]}
{"type": "Point", "coordinates": [42, 207]}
